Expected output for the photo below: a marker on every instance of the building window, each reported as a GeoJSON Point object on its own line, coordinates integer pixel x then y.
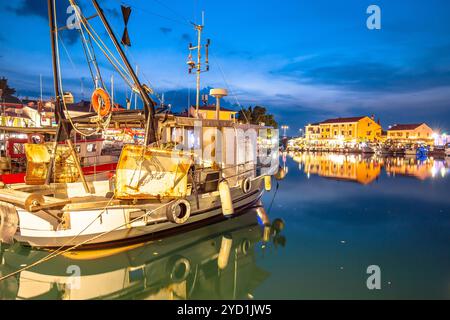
{"type": "Point", "coordinates": [91, 147]}
{"type": "Point", "coordinates": [350, 132]}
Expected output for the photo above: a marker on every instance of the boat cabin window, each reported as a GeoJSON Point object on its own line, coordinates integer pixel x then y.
{"type": "Point", "coordinates": [91, 147]}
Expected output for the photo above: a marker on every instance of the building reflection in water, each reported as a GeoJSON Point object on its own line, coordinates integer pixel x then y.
{"type": "Point", "coordinates": [366, 169]}
{"type": "Point", "coordinates": [217, 261]}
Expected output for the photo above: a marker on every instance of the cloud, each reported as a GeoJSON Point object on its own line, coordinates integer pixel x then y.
{"type": "Point", "coordinates": [358, 73]}
{"type": "Point", "coordinates": [186, 37]}
{"type": "Point", "coordinates": [39, 9]}
{"type": "Point", "coordinates": [165, 30]}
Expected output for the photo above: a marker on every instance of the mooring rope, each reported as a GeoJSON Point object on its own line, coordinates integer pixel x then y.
{"type": "Point", "coordinates": [53, 255]}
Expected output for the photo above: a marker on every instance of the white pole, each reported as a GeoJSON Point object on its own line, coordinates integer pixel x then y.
{"type": "Point", "coordinates": [40, 83]}
{"type": "Point", "coordinates": [112, 91]}
{"type": "Point", "coordinates": [135, 97]}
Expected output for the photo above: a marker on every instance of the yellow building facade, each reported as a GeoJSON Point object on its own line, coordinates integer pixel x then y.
{"type": "Point", "coordinates": [411, 133]}
{"type": "Point", "coordinates": [353, 129]}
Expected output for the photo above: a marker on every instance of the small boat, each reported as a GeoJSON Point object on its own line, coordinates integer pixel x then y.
{"type": "Point", "coordinates": [422, 152]}
{"type": "Point", "coordinates": [411, 151]}
{"type": "Point", "coordinates": [92, 155]}
{"type": "Point", "coordinates": [447, 150]}
{"type": "Point", "coordinates": [367, 148]}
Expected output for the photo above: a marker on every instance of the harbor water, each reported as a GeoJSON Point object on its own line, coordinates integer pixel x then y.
{"type": "Point", "coordinates": [333, 219]}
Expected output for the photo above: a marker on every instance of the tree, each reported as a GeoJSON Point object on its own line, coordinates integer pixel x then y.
{"type": "Point", "coordinates": [256, 115]}
{"type": "Point", "coordinates": [5, 89]}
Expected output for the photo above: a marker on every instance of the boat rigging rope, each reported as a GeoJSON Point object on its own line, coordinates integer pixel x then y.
{"type": "Point", "coordinates": [102, 46]}
{"type": "Point", "coordinates": [182, 20]}
{"type": "Point", "coordinates": [274, 195]}
{"type": "Point", "coordinates": [59, 251]}
{"type": "Point", "coordinates": [61, 85]}
{"type": "Point", "coordinates": [87, 47]}
{"type": "Point", "coordinates": [228, 86]}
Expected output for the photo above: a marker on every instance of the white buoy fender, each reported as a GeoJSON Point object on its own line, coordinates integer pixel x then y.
{"type": "Point", "coordinates": [179, 211]}
{"type": "Point", "coordinates": [268, 183]}
{"type": "Point", "coordinates": [224, 252]}
{"type": "Point", "coordinates": [246, 185]}
{"type": "Point", "coordinates": [9, 222]}
{"type": "Point", "coordinates": [225, 198]}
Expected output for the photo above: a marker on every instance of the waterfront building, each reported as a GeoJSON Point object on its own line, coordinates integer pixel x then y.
{"type": "Point", "coordinates": [312, 131]}
{"type": "Point", "coordinates": [340, 131]}
{"type": "Point", "coordinates": [411, 133]}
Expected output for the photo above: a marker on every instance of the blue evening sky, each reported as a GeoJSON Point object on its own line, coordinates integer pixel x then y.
{"type": "Point", "coordinates": [304, 60]}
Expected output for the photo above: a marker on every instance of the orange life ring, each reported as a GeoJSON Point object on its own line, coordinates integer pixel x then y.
{"type": "Point", "coordinates": [101, 102]}
{"type": "Point", "coordinates": [40, 137]}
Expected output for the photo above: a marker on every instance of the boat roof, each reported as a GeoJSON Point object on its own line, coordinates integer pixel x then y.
{"type": "Point", "coordinates": [48, 130]}
{"type": "Point", "coordinates": [130, 118]}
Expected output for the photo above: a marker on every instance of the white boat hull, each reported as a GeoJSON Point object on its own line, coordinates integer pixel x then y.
{"type": "Point", "coordinates": [114, 224]}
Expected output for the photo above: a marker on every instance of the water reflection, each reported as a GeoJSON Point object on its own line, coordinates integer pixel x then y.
{"type": "Point", "coordinates": [366, 169]}
{"type": "Point", "coordinates": [214, 262]}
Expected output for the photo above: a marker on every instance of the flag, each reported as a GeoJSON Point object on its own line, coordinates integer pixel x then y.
{"type": "Point", "coordinates": [126, 12]}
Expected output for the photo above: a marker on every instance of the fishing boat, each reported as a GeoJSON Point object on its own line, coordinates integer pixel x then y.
{"type": "Point", "coordinates": [217, 261]}
{"type": "Point", "coordinates": [410, 151]}
{"type": "Point", "coordinates": [187, 170]}
{"type": "Point", "coordinates": [91, 152]}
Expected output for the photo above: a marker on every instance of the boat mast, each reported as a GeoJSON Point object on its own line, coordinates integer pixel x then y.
{"type": "Point", "coordinates": [198, 66]}
{"type": "Point", "coordinates": [63, 132]}
{"type": "Point", "coordinates": [150, 135]}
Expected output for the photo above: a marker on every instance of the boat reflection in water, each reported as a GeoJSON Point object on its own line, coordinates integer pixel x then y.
{"type": "Point", "coordinates": [214, 262]}
{"type": "Point", "coordinates": [366, 169]}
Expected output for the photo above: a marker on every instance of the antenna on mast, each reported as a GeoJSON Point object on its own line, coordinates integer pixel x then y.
{"type": "Point", "coordinates": [198, 65]}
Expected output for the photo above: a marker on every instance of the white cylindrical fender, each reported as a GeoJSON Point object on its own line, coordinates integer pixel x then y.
{"type": "Point", "coordinates": [246, 185]}
{"type": "Point", "coordinates": [179, 211]}
{"type": "Point", "coordinates": [9, 222]}
{"type": "Point", "coordinates": [266, 233]}
{"type": "Point", "coordinates": [225, 198]}
{"type": "Point", "coordinates": [224, 252]}
{"type": "Point", "coordinates": [268, 183]}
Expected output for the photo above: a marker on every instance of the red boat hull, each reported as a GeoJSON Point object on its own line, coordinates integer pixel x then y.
{"type": "Point", "coordinates": [20, 177]}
